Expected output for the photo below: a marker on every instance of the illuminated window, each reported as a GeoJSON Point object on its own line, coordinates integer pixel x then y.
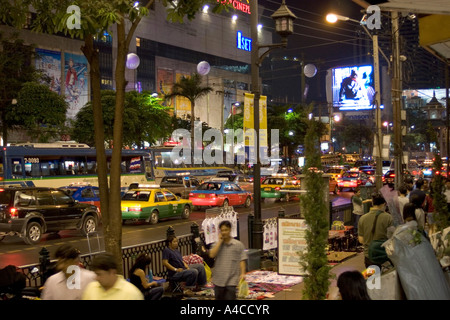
{"type": "Point", "coordinates": [138, 42]}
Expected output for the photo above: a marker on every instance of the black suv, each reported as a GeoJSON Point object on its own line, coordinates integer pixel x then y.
{"type": "Point", "coordinates": [31, 212]}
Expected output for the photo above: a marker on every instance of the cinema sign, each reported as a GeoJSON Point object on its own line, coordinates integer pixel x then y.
{"type": "Point", "coordinates": [238, 5]}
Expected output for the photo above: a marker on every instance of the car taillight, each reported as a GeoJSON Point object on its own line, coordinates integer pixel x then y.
{"type": "Point", "coordinates": [191, 194]}
{"type": "Point", "coordinates": [212, 195]}
{"type": "Point", "coordinates": [277, 188]}
{"type": "Point", "coordinates": [135, 209]}
{"type": "Point", "coordinates": [14, 213]}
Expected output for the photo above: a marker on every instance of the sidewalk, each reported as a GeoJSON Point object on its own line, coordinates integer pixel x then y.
{"type": "Point", "coordinates": [295, 292]}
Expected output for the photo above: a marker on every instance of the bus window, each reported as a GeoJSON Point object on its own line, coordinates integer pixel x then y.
{"type": "Point", "coordinates": [16, 167]}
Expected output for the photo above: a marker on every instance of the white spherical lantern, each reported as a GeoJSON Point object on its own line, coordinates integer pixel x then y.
{"type": "Point", "coordinates": [132, 61]}
{"type": "Point", "coordinates": [310, 70]}
{"type": "Point", "coordinates": [203, 68]}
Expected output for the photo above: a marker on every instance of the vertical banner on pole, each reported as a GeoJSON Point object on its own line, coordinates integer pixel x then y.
{"type": "Point", "coordinates": [249, 139]}
{"type": "Point", "coordinates": [263, 121]}
{"type": "Point", "coordinates": [263, 146]}
{"type": "Point", "coordinates": [249, 133]}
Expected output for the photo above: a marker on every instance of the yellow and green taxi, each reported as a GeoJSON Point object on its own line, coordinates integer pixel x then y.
{"type": "Point", "coordinates": [153, 204]}
{"type": "Point", "coordinates": [336, 172]}
{"type": "Point", "coordinates": [272, 186]}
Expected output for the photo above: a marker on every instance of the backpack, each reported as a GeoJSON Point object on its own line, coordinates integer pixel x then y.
{"type": "Point", "coordinates": [377, 253]}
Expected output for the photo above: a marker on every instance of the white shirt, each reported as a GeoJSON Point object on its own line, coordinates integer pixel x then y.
{"type": "Point", "coordinates": [58, 287]}
{"type": "Point", "coordinates": [401, 203]}
{"type": "Point", "coordinates": [447, 195]}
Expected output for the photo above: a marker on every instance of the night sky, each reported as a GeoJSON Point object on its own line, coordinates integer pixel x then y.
{"type": "Point", "coordinates": [314, 41]}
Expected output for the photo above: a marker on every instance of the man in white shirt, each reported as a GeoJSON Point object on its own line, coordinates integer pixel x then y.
{"type": "Point", "coordinates": [71, 281]}
{"type": "Point", "coordinates": [402, 199]}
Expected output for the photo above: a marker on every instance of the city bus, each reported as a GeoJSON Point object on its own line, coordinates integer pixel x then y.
{"type": "Point", "coordinates": [64, 163]}
{"type": "Point", "coordinates": [331, 159]}
{"type": "Point", "coordinates": [162, 165]}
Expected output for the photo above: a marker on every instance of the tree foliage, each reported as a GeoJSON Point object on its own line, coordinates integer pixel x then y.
{"type": "Point", "coordinates": [15, 70]}
{"type": "Point", "coordinates": [354, 136]}
{"type": "Point", "coordinates": [314, 208]}
{"type": "Point", "coordinates": [441, 215]}
{"type": "Point", "coordinates": [39, 111]}
{"type": "Point", "coordinates": [291, 121]}
{"type": "Point", "coordinates": [190, 88]}
{"type": "Point", "coordinates": [145, 119]}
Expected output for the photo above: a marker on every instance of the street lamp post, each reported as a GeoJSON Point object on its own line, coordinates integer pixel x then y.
{"type": "Point", "coordinates": [332, 18]}
{"type": "Point", "coordinates": [396, 100]}
{"type": "Point", "coordinates": [284, 26]}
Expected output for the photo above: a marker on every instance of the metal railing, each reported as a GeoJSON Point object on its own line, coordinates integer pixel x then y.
{"type": "Point", "coordinates": [36, 273]}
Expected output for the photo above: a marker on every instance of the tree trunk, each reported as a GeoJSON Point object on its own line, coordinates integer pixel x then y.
{"type": "Point", "coordinates": [91, 55]}
{"type": "Point", "coordinates": [113, 239]}
{"type": "Point", "coordinates": [4, 126]}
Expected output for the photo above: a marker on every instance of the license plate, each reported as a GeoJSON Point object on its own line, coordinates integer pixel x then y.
{"type": "Point", "coordinates": [201, 195]}
{"type": "Point", "coordinates": [346, 184]}
{"type": "Point", "coordinates": [267, 189]}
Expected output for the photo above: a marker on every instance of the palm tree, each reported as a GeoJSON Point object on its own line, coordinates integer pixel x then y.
{"type": "Point", "coordinates": [191, 89]}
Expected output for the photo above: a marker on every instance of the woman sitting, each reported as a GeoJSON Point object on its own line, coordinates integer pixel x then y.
{"type": "Point", "coordinates": [151, 290]}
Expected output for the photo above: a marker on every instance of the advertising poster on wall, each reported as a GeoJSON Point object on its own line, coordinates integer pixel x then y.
{"type": "Point", "coordinates": [291, 242]}
{"type": "Point", "coordinates": [49, 62]}
{"type": "Point", "coordinates": [76, 79]}
{"type": "Point", "coordinates": [164, 84]}
{"type": "Point", "coordinates": [182, 104]}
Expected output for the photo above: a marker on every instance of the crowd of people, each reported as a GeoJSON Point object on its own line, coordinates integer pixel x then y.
{"type": "Point", "coordinates": [414, 203]}
{"type": "Point", "coordinates": [103, 282]}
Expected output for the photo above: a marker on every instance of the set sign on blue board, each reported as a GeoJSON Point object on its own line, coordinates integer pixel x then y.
{"type": "Point", "coordinates": [243, 43]}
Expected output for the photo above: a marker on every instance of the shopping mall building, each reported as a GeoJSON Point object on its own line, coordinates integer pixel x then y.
{"type": "Point", "coordinates": [167, 51]}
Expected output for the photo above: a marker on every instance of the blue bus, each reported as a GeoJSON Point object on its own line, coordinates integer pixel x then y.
{"type": "Point", "coordinates": [64, 163]}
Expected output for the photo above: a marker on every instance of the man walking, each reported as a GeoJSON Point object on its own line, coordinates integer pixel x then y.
{"type": "Point", "coordinates": [373, 225]}
{"type": "Point", "coordinates": [229, 266]}
{"type": "Point", "coordinates": [70, 282]}
{"type": "Point", "coordinates": [109, 284]}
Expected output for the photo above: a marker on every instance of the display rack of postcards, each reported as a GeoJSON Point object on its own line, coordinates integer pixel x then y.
{"type": "Point", "coordinates": [270, 238]}
{"type": "Point", "coordinates": [213, 218]}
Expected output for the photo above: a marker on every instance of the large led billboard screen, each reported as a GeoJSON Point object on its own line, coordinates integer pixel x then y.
{"type": "Point", "coordinates": [353, 87]}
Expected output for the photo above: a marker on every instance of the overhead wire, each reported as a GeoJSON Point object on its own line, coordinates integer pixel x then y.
{"type": "Point", "coordinates": [330, 41]}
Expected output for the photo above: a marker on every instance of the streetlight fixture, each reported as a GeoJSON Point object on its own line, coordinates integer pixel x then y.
{"type": "Point", "coordinates": [332, 18]}
{"type": "Point", "coordinates": [284, 26]}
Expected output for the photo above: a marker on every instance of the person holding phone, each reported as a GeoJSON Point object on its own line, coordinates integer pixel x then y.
{"type": "Point", "coordinates": [229, 266]}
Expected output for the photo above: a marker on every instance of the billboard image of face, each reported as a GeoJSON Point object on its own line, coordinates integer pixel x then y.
{"type": "Point", "coordinates": [353, 87]}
